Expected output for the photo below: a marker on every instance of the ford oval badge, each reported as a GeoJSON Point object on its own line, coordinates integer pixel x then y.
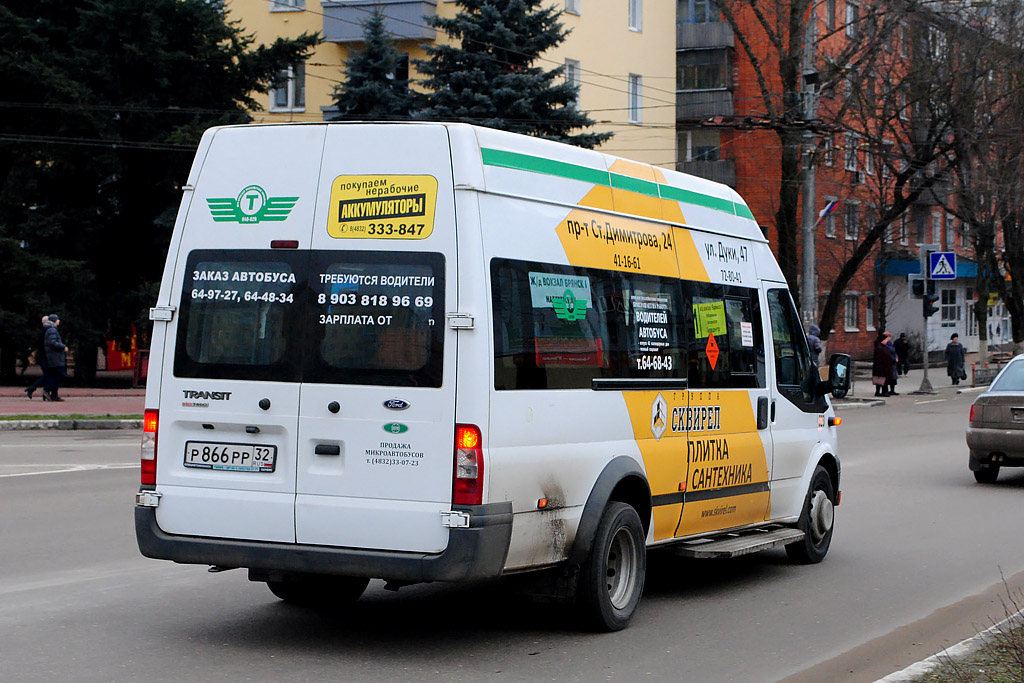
{"type": "Point", "coordinates": [396, 404]}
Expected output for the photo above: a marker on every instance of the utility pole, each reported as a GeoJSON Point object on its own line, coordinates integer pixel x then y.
{"type": "Point", "coordinates": [808, 281]}
{"type": "Point", "coordinates": [926, 386]}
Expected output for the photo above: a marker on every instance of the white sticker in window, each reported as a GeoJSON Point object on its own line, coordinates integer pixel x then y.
{"type": "Point", "coordinates": [747, 334]}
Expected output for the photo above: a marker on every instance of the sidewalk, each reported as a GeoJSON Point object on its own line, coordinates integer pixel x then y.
{"type": "Point", "coordinates": [82, 408]}
{"type": "Point", "coordinates": [863, 392]}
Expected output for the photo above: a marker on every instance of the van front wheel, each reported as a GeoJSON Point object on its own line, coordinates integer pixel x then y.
{"type": "Point", "coordinates": [611, 579]}
{"type": "Point", "coordinates": [815, 521]}
{"type": "Point", "coordinates": [318, 590]}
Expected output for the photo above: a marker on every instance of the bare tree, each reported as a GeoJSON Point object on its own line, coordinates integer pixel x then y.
{"type": "Point", "coordinates": [906, 104]}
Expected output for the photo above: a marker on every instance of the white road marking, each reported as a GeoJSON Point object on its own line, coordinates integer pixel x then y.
{"type": "Point", "coordinates": [73, 468]}
{"type": "Point", "coordinates": [934, 400]}
{"type": "Point", "coordinates": [109, 444]}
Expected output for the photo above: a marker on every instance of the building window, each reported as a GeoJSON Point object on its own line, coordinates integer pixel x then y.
{"type": "Point", "coordinates": [701, 144]}
{"type": "Point", "coordinates": [696, 11]}
{"type": "Point", "coordinates": [702, 70]}
{"type": "Point", "coordinates": [635, 95]}
{"type": "Point", "coordinates": [830, 14]}
{"type": "Point", "coordinates": [289, 93]}
{"type": "Point", "coordinates": [572, 77]}
{"type": "Point", "coordinates": [936, 228]}
{"type": "Point", "coordinates": [903, 230]}
{"type": "Point", "coordinates": [829, 151]}
{"type": "Point", "coordinates": [922, 228]}
{"type": "Point", "coordinates": [636, 15]}
{"type": "Point", "coordinates": [949, 309]}
{"type": "Point", "coordinates": [573, 6]}
{"type": "Point", "coordinates": [850, 153]}
{"type": "Point", "coordinates": [287, 5]}
{"type": "Point", "coordinates": [950, 231]}
{"type": "Point", "coordinates": [850, 313]}
{"type": "Point", "coordinates": [869, 163]}
{"type": "Point", "coordinates": [852, 221]}
{"type": "Point", "coordinates": [869, 311]}
{"type": "Point", "coordinates": [830, 219]}
{"type": "Point", "coordinates": [852, 16]}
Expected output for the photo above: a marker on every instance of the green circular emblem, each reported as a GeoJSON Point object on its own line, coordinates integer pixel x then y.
{"type": "Point", "coordinates": [251, 200]}
{"type": "Point", "coordinates": [395, 428]}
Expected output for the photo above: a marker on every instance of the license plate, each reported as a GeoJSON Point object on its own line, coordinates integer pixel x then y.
{"type": "Point", "coordinates": [232, 457]}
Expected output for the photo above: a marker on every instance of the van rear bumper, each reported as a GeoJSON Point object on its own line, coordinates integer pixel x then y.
{"type": "Point", "coordinates": [473, 553]}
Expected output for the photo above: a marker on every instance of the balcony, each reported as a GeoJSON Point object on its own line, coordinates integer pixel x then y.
{"type": "Point", "coordinates": [704, 35]}
{"type": "Point", "coordinates": [723, 171]}
{"type": "Point", "coordinates": [701, 104]}
{"type": "Point", "coordinates": [404, 19]}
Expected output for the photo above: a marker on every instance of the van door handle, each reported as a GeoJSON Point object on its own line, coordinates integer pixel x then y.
{"type": "Point", "coordinates": [762, 412]}
{"type": "Point", "coordinates": [773, 410]}
{"type": "Point", "coordinates": [327, 449]}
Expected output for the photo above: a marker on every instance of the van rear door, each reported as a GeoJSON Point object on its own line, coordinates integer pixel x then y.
{"type": "Point", "coordinates": [228, 411]}
{"type": "Point", "coordinates": [377, 404]}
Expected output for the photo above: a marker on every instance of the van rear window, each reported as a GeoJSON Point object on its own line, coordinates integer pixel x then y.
{"type": "Point", "coordinates": [378, 318]}
{"type": "Point", "coordinates": [339, 317]}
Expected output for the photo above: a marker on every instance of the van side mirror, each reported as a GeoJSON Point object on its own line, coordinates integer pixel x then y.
{"type": "Point", "coordinates": [839, 375]}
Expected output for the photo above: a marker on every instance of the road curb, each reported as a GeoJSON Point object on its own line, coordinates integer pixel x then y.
{"type": "Point", "coordinates": [10, 425]}
{"type": "Point", "coordinates": [963, 649]}
{"type": "Point", "coordinates": [858, 403]}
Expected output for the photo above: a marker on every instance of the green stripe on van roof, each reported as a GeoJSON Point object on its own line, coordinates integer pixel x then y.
{"type": "Point", "coordinates": [531, 164]}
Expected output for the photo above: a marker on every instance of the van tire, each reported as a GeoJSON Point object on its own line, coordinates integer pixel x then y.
{"type": "Point", "coordinates": [611, 580]}
{"type": "Point", "coordinates": [988, 475]}
{"type": "Point", "coordinates": [815, 520]}
{"type": "Point", "coordinates": [318, 590]}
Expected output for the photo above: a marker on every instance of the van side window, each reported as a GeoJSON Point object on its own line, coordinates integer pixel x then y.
{"type": "Point", "coordinates": [237, 310]}
{"type": "Point", "coordinates": [795, 376]}
{"type": "Point", "coordinates": [559, 327]}
{"type": "Point", "coordinates": [726, 349]}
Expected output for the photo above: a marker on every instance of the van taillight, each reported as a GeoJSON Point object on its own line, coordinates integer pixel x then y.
{"type": "Point", "coordinates": [149, 427]}
{"type": "Point", "coordinates": [468, 486]}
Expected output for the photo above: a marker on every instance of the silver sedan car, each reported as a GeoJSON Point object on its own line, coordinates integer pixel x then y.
{"type": "Point", "coordinates": [995, 434]}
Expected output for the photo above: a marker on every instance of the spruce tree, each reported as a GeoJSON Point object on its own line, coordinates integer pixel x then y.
{"type": "Point", "coordinates": [371, 90]}
{"type": "Point", "coordinates": [490, 78]}
{"type": "Point", "coordinates": [112, 98]}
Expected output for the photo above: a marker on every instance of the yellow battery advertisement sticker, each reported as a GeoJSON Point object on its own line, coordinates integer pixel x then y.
{"type": "Point", "coordinates": [382, 207]}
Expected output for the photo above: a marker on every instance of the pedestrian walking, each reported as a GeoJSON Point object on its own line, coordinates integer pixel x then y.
{"type": "Point", "coordinates": [814, 342]}
{"type": "Point", "coordinates": [894, 373]}
{"type": "Point", "coordinates": [882, 367]}
{"type": "Point", "coordinates": [956, 356]}
{"type": "Point", "coordinates": [902, 346]}
{"type": "Point", "coordinates": [39, 348]}
{"type": "Point", "coordinates": [56, 359]}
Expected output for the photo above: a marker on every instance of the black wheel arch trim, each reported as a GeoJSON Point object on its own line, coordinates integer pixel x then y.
{"type": "Point", "coordinates": [473, 553]}
{"type": "Point", "coordinates": [620, 469]}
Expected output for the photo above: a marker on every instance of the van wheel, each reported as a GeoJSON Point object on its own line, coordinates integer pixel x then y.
{"type": "Point", "coordinates": [611, 579]}
{"type": "Point", "coordinates": [315, 590]}
{"type": "Point", "coordinates": [987, 475]}
{"type": "Point", "coordinates": [815, 521]}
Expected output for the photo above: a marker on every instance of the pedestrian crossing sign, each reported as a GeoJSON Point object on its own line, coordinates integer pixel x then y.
{"type": "Point", "coordinates": [942, 265]}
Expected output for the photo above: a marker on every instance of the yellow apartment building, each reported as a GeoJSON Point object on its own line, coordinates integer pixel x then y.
{"type": "Point", "coordinates": [621, 53]}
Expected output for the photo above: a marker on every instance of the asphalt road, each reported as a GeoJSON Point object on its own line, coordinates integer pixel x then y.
{"type": "Point", "coordinates": [915, 565]}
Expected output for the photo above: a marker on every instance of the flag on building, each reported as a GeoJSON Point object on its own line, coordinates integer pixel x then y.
{"type": "Point", "coordinates": [829, 208]}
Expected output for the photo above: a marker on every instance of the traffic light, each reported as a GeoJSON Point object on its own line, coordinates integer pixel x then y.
{"type": "Point", "coordinates": [929, 309]}
{"type": "Point", "coordinates": [917, 288]}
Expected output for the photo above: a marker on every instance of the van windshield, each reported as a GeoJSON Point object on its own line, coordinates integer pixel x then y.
{"type": "Point", "coordinates": [339, 317]}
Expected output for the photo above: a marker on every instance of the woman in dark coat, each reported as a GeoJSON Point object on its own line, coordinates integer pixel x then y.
{"type": "Point", "coordinates": [894, 374]}
{"type": "Point", "coordinates": [956, 356]}
{"type": "Point", "coordinates": [883, 367]}
{"type": "Point", "coordinates": [56, 359]}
